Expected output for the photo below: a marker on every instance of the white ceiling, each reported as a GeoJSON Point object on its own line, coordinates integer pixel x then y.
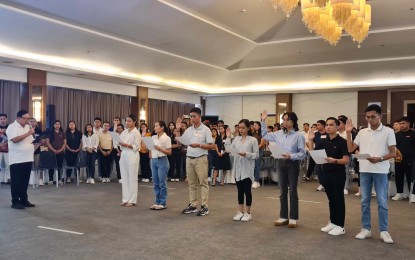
{"type": "Point", "coordinates": [205, 46]}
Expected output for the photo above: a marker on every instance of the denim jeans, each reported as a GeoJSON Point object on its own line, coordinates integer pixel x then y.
{"type": "Point", "coordinates": [258, 162]}
{"type": "Point", "coordinates": [380, 181]}
{"type": "Point", "coordinates": [159, 170]}
{"type": "Point", "coordinates": [288, 172]}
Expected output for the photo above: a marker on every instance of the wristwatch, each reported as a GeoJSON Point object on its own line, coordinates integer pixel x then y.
{"type": "Point", "coordinates": [381, 158]}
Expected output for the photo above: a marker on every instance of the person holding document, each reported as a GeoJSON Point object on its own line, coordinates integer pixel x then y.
{"type": "Point", "coordinates": [160, 164]}
{"type": "Point", "coordinates": [333, 174]}
{"type": "Point", "coordinates": [130, 142]}
{"type": "Point", "coordinates": [288, 166]}
{"type": "Point", "coordinates": [244, 163]}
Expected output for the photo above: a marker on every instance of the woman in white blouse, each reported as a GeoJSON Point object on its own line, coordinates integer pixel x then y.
{"type": "Point", "coordinates": [129, 162]}
{"type": "Point", "coordinates": [90, 143]}
{"type": "Point", "coordinates": [246, 148]}
{"type": "Point", "coordinates": [160, 164]}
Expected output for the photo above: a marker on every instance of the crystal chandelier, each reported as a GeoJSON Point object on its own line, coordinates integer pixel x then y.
{"type": "Point", "coordinates": [328, 18]}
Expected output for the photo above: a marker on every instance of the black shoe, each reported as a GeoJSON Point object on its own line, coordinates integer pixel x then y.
{"type": "Point", "coordinates": [189, 209]}
{"type": "Point", "coordinates": [203, 211]}
{"type": "Point", "coordinates": [29, 205]}
{"type": "Point", "coordinates": [18, 206]}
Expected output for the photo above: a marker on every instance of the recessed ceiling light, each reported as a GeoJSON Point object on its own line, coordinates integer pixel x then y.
{"type": "Point", "coordinates": [7, 62]}
{"type": "Point", "coordinates": [243, 11]}
{"type": "Point", "coordinates": [81, 74]}
{"type": "Point", "coordinates": [411, 9]}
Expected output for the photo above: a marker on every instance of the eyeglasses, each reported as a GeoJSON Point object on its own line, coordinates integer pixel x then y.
{"type": "Point", "coordinates": [371, 117]}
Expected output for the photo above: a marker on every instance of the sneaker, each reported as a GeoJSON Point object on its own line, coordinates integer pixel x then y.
{"type": "Point", "coordinates": [18, 206]}
{"type": "Point", "coordinates": [119, 181]}
{"type": "Point", "coordinates": [256, 185]}
{"type": "Point", "coordinates": [246, 217]}
{"type": "Point", "coordinates": [386, 237]}
{"type": "Point", "coordinates": [99, 178]}
{"type": "Point", "coordinates": [92, 181]}
{"type": "Point", "coordinates": [50, 183]}
{"type": "Point", "coordinates": [108, 180]}
{"type": "Point", "coordinates": [320, 188]}
{"type": "Point", "coordinates": [412, 198]}
{"type": "Point", "coordinates": [292, 223]}
{"type": "Point", "coordinates": [398, 196]}
{"type": "Point", "coordinates": [209, 179]}
{"type": "Point", "coordinates": [104, 180]}
{"type": "Point", "coordinates": [88, 181]}
{"type": "Point", "coordinates": [328, 227]}
{"type": "Point", "coordinates": [373, 194]}
{"type": "Point", "coordinates": [337, 231]}
{"type": "Point", "coordinates": [364, 233]}
{"type": "Point", "coordinates": [306, 179]}
{"type": "Point", "coordinates": [177, 180]}
{"type": "Point", "coordinates": [68, 180]}
{"type": "Point", "coordinates": [203, 211]}
{"type": "Point", "coordinates": [238, 216]}
{"type": "Point", "coordinates": [281, 222]}
{"type": "Point", "coordinates": [81, 181]}
{"type": "Point", "coordinates": [190, 209]}
{"type": "Point", "coordinates": [60, 182]}
{"type": "Point", "coordinates": [41, 182]}
{"type": "Point", "coordinates": [358, 194]}
{"type": "Point", "coordinates": [345, 191]}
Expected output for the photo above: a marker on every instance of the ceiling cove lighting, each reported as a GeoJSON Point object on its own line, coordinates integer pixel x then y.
{"type": "Point", "coordinates": [328, 18]}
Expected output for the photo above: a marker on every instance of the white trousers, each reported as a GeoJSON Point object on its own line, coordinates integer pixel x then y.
{"type": "Point", "coordinates": [4, 173]}
{"type": "Point", "coordinates": [129, 164]}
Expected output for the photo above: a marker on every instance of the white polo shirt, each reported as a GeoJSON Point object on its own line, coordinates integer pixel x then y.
{"type": "Point", "coordinates": [376, 143]}
{"type": "Point", "coordinates": [163, 142]}
{"type": "Point", "coordinates": [200, 135]}
{"type": "Point", "coordinates": [22, 151]}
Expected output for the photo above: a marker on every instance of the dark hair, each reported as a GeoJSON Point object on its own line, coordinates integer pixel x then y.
{"type": "Point", "coordinates": [221, 121]}
{"type": "Point", "coordinates": [183, 122]}
{"type": "Point", "coordinates": [342, 119]}
{"type": "Point", "coordinates": [141, 126]}
{"type": "Point", "coordinates": [162, 124]}
{"type": "Point", "coordinates": [21, 113]}
{"type": "Point", "coordinates": [52, 130]}
{"type": "Point", "coordinates": [98, 118]}
{"type": "Point", "coordinates": [214, 129]}
{"type": "Point", "coordinates": [122, 126]}
{"type": "Point", "coordinates": [196, 110]}
{"type": "Point", "coordinates": [106, 122]}
{"type": "Point", "coordinates": [251, 123]}
{"type": "Point", "coordinates": [306, 124]}
{"type": "Point", "coordinates": [172, 123]}
{"type": "Point", "coordinates": [270, 127]}
{"type": "Point", "coordinates": [404, 118]}
{"type": "Point", "coordinates": [117, 117]}
{"type": "Point", "coordinates": [293, 117]}
{"type": "Point", "coordinates": [67, 127]}
{"type": "Point", "coordinates": [342, 116]}
{"type": "Point", "coordinates": [313, 125]}
{"type": "Point", "coordinates": [321, 122]}
{"type": "Point", "coordinates": [375, 108]}
{"type": "Point", "coordinates": [236, 126]}
{"type": "Point", "coordinates": [336, 121]}
{"type": "Point", "coordinates": [388, 125]}
{"type": "Point", "coordinates": [86, 132]}
{"type": "Point", "coordinates": [245, 122]}
{"type": "Point", "coordinates": [3, 114]}
{"type": "Point", "coordinates": [133, 117]}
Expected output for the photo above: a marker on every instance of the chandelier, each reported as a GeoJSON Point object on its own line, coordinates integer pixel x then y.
{"type": "Point", "coordinates": [328, 18]}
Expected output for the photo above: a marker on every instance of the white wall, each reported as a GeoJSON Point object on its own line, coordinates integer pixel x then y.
{"type": "Point", "coordinates": [13, 73]}
{"type": "Point", "coordinates": [173, 96]}
{"type": "Point", "coordinates": [315, 106]}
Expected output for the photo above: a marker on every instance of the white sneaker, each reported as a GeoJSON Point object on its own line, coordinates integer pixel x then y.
{"type": "Point", "coordinates": [104, 180]}
{"type": "Point", "coordinates": [68, 180]}
{"type": "Point", "coordinates": [41, 182]}
{"type": "Point", "coordinates": [398, 196]}
{"type": "Point", "coordinates": [119, 181]}
{"type": "Point", "coordinates": [92, 181]}
{"type": "Point", "coordinates": [88, 181]}
{"type": "Point", "coordinates": [256, 185]}
{"type": "Point", "coordinates": [386, 237]}
{"type": "Point", "coordinates": [209, 179]}
{"type": "Point", "coordinates": [337, 231]}
{"type": "Point", "coordinates": [246, 217]}
{"type": "Point", "coordinates": [364, 233]}
{"type": "Point", "coordinates": [373, 194]}
{"type": "Point", "coordinates": [345, 191]}
{"type": "Point", "coordinates": [50, 182]}
{"type": "Point", "coordinates": [412, 198]}
{"type": "Point", "coordinates": [358, 194]}
{"type": "Point", "coordinates": [60, 182]}
{"type": "Point", "coordinates": [177, 180]}
{"type": "Point", "coordinates": [292, 223]}
{"type": "Point", "coordinates": [108, 180]}
{"type": "Point", "coordinates": [328, 227]}
{"type": "Point", "coordinates": [81, 181]}
{"type": "Point", "coordinates": [238, 216]}
{"type": "Point", "coordinates": [320, 188]}
{"type": "Point", "coordinates": [99, 178]}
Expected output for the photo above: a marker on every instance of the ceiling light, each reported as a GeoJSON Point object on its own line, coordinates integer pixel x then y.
{"type": "Point", "coordinates": [7, 62]}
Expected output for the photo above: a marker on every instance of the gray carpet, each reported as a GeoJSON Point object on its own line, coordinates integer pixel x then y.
{"type": "Point", "coordinates": [114, 232]}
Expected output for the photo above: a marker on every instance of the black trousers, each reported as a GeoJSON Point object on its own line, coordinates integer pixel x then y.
{"type": "Point", "coordinates": [402, 170]}
{"type": "Point", "coordinates": [175, 161]}
{"type": "Point", "coordinates": [20, 175]}
{"type": "Point", "coordinates": [116, 158]}
{"type": "Point", "coordinates": [333, 183]}
{"type": "Point", "coordinates": [311, 164]}
{"type": "Point", "coordinates": [244, 190]}
{"type": "Point", "coordinates": [59, 162]}
{"type": "Point", "coordinates": [70, 158]}
{"type": "Point", "coordinates": [145, 165]}
{"type": "Point", "coordinates": [288, 171]}
{"type": "Point", "coordinates": [105, 164]}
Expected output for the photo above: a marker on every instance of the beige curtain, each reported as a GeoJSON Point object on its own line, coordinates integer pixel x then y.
{"type": "Point", "coordinates": [10, 98]}
{"type": "Point", "coordinates": [83, 106]}
{"type": "Point", "coordinates": [167, 111]}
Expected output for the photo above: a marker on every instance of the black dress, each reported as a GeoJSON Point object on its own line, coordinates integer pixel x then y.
{"type": "Point", "coordinates": [225, 159]}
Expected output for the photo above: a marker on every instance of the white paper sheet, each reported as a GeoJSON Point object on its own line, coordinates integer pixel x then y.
{"type": "Point", "coordinates": [115, 137]}
{"type": "Point", "coordinates": [148, 141]}
{"type": "Point", "coordinates": [184, 140]}
{"type": "Point", "coordinates": [362, 156]}
{"type": "Point", "coordinates": [319, 156]}
{"type": "Point", "coordinates": [276, 150]}
{"type": "Point", "coordinates": [233, 151]}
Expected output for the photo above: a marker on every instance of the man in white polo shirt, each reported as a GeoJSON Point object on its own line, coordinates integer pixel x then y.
{"type": "Point", "coordinates": [197, 162]}
{"type": "Point", "coordinates": [379, 142]}
{"type": "Point", "coordinates": [21, 151]}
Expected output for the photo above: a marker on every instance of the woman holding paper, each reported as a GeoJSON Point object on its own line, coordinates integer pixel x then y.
{"type": "Point", "coordinates": [130, 142]}
{"type": "Point", "coordinates": [333, 174]}
{"type": "Point", "coordinates": [293, 144]}
{"type": "Point", "coordinates": [160, 164]}
{"type": "Point", "coordinates": [244, 163]}
{"type": "Point", "coordinates": [144, 155]}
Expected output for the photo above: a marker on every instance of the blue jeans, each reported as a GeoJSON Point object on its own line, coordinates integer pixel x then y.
{"type": "Point", "coordinates": [159, 170]}
{"type": "Point", "coordinates": [258, 162]}
{"type": "Point", "coordinates": [381, 187]}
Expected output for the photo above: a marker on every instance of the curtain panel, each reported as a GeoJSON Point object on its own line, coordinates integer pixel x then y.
{"type": "Point", "coordinates": [167, 111]}
{"type": "Point", "coordinates": [83, 106]}
{"type": "Point", "coordinates": [10, 98]}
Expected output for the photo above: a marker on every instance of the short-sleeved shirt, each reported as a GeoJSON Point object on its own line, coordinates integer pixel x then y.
{"type": "Point", "coordinates": [163, 141]}
{"type": "Point", "coordinates": [105, 140]}
{"type": "Point", "coordinates": [335, 148]}
{"type": "Point", "coordinates": [405, 143]}
{"type": "Point", "coordinates": [319, 137]}
{"type": "Point", "coordinates": [57, 141]}
{"type": "Point", "coordinates": [22, 151]}
{"type": "Point", "coordinates": [37, 138]}
{"type": "Point", "coordinates": [73, 140]}
{"type": "Point", "coordinates": [375, 143]}
{"type": "Point", "coordinates": [200, 135]}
